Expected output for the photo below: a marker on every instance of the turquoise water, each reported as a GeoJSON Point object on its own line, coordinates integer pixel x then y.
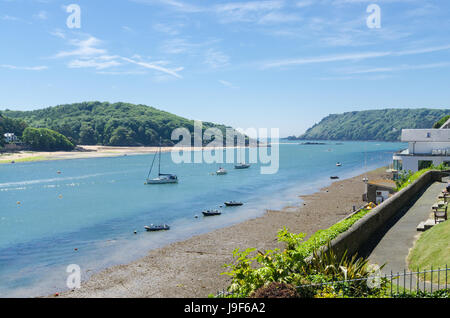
{"type": "Point", "coordinates": [95, 205]}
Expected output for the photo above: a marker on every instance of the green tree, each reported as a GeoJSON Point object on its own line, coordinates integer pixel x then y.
{"type": "Point", "coordinates": [87, 135]}
{"type": "Point", "coordinates": [121, 136]}
{"type": "Point", "coordinates": [46, 140]}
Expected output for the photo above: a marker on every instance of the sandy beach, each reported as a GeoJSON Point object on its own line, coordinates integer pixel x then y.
{"type": "Point", "coordinates": [192, 268]}
{"type": "Point", "coordinates": [82, 152]}
{"type": "Point", "coordinates": [86, 152]}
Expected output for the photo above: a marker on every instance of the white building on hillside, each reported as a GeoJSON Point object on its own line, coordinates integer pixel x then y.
{"type": "Point", "coordinates": [10, 137]}
{"type": "Point", "coordinates": [426, 147]}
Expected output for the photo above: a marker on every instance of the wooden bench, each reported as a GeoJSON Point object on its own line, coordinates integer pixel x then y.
{"type": "Point", "coordinates": [440, 213]}
{"type": "Point", "coordinates": [444, 196]}
{"type": "Point", "coordinates": [439, 205]}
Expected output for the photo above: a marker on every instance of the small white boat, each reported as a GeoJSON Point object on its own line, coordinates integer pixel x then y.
{"type": "Point", "coordinates": [211, 213]}
{"type": "Point", "coordinates": [339, 164]}
{"type": "Point", "coordinates": [221, 172]}
{"type": "Point", "coordinates": [156, 228]}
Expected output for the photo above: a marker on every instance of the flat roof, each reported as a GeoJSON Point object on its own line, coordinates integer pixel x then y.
{"type": "Point", "coordinates": [426, 135]}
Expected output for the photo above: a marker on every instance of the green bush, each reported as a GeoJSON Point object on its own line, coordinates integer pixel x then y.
{"type": "Point", "coordinates": [442, 121]}
{"type": "Point", "coordinates": [43, 139]}
{"type": "Point", "coordinates": [443, 293]}
{"type": "Point", "coordinates": [407, 177]}
{"type": "Point", "coordinates": [249, 272]}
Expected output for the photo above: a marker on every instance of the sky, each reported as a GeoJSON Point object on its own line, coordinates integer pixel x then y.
{"type": "Point", "coordinates": [249, 64]}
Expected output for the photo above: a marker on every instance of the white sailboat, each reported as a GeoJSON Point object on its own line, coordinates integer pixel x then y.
{"type": "Point", "coordinates": [163, 178]}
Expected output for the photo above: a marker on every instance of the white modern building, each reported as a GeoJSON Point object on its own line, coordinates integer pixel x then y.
{"type": "Point", "coordinates": [10, 137]}
{"type": "Point", "coordinates": [426, 147]}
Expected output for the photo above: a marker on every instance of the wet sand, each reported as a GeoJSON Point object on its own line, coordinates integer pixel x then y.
{"type": "Point", "coordinates": [192, 268]}
{"type": "Point", "coordinates": [85, 152]}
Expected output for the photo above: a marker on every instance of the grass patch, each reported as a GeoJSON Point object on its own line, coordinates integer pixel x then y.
{"type": "Point", "coordinates": [26, 159]}
{"type": "Point", "coordinates": [431, 249]}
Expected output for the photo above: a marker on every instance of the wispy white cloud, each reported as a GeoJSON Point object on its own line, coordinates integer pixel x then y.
{"type": "Point", "coordinates": [352, 57]}
{"type": "Point", "coordinates": [227, 84]}
{"type": "Point", "coordinates": [304, 3]}
{"type": "Point", "coordinates": [252, 11]}
{"type": "Point", "coordinates": [23, 68]}
{"type": "Point", "coordinates": [171, 29]}
{"type": "Point", "coordinates": [404, 67]}
{"type": "Point", "coordinates": [41, 15]}
{"type": "Point", "coordinates": [155, 66]}
{"type": "Point", "coordinates": [14, 19]}
{"type": "Point", "coordinates": [99, 63]}
{"type": "Point", "coordinates": [87, 47]}
{"type": "Point", "coordinates": [88, 53]}
{"type": "Point", "coordinates": [278, 17]}
{"type": "Point", "coordinates": [216, 59]}
{"type": "Point", "coordinates": [58, 33]}
{"type": "Point", "coordinates": [174, 4]}
{"type": "Point", "coordinates": [325, 59]}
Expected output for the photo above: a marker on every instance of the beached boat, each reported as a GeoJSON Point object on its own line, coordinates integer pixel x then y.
{"type": "Point", "coordinates": [233, 203]}
{"type": "Point", "coordinates": [221, 172]}
{"type": "Point", "coordinates": [162, 178]}
{"type": "Point", "coordinates": [211, 213]}
{"type": "Point", "coordinates": [157, 228]}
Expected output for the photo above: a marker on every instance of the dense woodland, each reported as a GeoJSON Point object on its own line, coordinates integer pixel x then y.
{"type": "Point", "coordinates": [380, 125]}
{"type": "Point", "coordinates": [9, 125]}
{"type": "Point", "coordinates": [122, 124]}
{"type": "Point", "coordinates": [118, 124]}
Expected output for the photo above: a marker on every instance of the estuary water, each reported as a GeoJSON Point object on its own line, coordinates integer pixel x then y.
{"type": "Point", "coordinates": [87, 213]}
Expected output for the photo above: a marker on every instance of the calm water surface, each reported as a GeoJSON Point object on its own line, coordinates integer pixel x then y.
{"type": "Point", "coordinates": [94, 206]}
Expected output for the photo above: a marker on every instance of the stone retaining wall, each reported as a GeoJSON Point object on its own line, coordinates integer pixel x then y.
{"type": "Point", "coordinates": [355, 239]}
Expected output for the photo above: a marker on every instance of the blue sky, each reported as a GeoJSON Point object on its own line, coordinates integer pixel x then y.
{"type": "Point", "coordinates": [270, 63]}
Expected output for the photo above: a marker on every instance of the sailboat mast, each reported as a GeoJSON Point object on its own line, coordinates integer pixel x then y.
{"type": "Point", "coordinates": [159, 167]}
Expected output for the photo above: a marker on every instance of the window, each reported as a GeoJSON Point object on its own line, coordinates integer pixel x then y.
{"type": "Point", "coordinates": [423, 164]}
{"type": "Point", "coordinates": [398, 165]}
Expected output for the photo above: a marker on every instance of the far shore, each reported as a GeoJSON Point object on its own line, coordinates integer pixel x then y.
{"type": "Point", "coordinates": [193, 267]}
{"type": "Point", "coordinates": [86, 152]}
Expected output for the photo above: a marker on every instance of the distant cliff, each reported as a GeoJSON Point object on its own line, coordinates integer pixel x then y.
{"type": "Point", "coordinates": [380, 125]}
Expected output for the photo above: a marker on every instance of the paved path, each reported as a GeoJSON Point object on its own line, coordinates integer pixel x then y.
{"type": "Point", "coordinates": [394, 247]}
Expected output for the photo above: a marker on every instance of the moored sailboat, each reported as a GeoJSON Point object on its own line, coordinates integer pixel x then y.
{"type": "Point", "coordinates": [163, 178]}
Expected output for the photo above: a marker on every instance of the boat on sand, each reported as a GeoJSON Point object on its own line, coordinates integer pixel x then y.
{"type": "Point", "coordinates": [157, 228]}
{"type": "Point", "coordinates": [211, 213]}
